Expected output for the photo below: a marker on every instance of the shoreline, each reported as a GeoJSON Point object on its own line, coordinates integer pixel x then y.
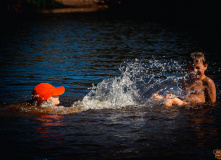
{"type": "Point", "coordinates": [77, 6]}
{"type": "Point", "coordinates": [75, 9]}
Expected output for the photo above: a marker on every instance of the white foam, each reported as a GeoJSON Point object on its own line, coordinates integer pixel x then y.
{"type": "Point", "coordinates": [138, 81]}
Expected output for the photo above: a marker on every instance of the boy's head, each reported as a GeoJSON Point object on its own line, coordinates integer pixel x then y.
{"type": "Point", "coordinates": [197, 56]}
{"type": "Point", "coordinates": [46, 92]}
{"type": "Point", "coordinates": [197, 65]}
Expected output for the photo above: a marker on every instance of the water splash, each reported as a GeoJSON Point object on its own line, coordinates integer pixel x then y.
{"type": "Point", "coordinates": [138, 81]}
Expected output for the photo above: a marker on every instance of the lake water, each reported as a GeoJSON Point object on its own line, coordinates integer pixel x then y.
{"type": "Point", "coordinates": [112, 64]}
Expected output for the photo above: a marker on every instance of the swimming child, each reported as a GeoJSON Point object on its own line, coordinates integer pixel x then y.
{"type": "Point", "coordinates": [198, 88]}
{"type": "Point", "coordinates": [45, 94]}
{"type": "Point", "coordinates": [45, 98]}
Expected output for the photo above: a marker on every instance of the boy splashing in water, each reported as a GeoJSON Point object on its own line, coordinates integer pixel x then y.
{"type": "Point", "coordinates": [197, 86]}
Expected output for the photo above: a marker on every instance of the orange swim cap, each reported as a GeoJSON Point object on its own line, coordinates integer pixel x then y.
{"type": "Point", "coordinates": [43, 91]}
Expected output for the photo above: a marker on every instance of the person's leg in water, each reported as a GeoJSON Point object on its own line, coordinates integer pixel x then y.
{"type": "Point", "coordinates": [170, 100]}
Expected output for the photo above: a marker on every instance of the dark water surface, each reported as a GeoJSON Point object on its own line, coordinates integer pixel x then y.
{"type": "Point", "coordinates": [78, 50]}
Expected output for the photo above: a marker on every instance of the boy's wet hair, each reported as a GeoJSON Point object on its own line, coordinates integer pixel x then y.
{"type": "Point", "coordinates": [197, 56]}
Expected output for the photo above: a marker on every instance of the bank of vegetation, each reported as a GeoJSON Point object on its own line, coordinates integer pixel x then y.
{"type": "Point", "coordinates": [17, 6]}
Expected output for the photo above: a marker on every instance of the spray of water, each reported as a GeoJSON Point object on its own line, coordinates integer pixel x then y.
{"type": "Point", "coordinates": [138, 81]}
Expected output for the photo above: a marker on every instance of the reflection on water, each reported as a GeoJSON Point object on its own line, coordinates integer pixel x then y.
{"type": "Point", "coordinates": [50, 120]}
{"type": "Point", "coordinates": [199, 124]}
{"type": "Point", "coordinates": [119, 56]}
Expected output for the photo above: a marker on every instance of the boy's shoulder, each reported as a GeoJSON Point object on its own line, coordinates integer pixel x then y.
{"type": "Point", "coordinates": [208, 81]}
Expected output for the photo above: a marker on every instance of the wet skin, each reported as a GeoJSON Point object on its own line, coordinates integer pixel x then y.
{"type": "Point", "coordinates": [197, 87]}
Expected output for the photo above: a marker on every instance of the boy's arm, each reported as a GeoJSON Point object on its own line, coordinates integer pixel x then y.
{"type": "Point", "coordinates": [211, 91]}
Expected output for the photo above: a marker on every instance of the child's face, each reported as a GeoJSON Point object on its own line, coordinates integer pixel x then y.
{"type": "Point", "coordinates": [197, 69]}
{"type": "Point", "coordinates": [55, 100]}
